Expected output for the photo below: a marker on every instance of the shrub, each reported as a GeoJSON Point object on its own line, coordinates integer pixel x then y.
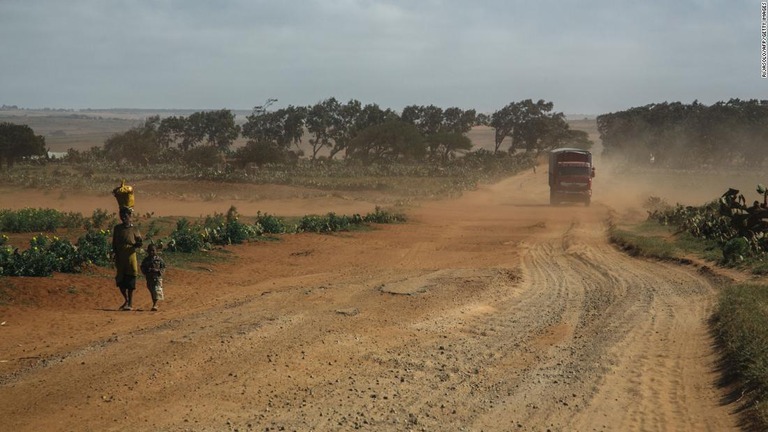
{"type": "Point", "coordinates": [735, 250]}
{"type": "Point", "coordinates": [223, 230]}
{"type": "Point", "coordinates": [262, 153]}
{"type": "Point", "coordinates": [71, 220]}
{"type": "Point", "coordinates": [383, 216]}
{"type": "Point", "coordinates": [187, 237]}
{"type": "Point", "coordinates": [235, 232]}
{"type": "Point", "coordinates": [152, 231]}
{"type": "Point", "coordinates": [203, 156]}
{"type": "Point", "coordinates": [95, 248]}
{"type": "Point", "coordinates": [338, 223]}
{"type": "Point", "coordinates": [314, 223]}
{"type": "Point", "coordinates": [6, 258]}
{"type": "Point", "coordinates": [271, 224]}
{"type": "Point", "coordinates": [739, 232]}
{"type": "Point", "coordinates": [43, 257]}
{"type": "Point", "coordinates": [333, 222]}
{"type": "Point", "coordinates": [38, 220]}
{"type": "Point", "coordinates": [66, 256]}
{"type": "Point", "coordinates": [100, 219]}
{"type": "Point", "coordinates": [47, 255]}
{"type": "Point", "coordinates": [37, 260]}
{"type": "Point", "coordinates": [218, 229]}
{"type": "Point", "coordinates": [328, 223]}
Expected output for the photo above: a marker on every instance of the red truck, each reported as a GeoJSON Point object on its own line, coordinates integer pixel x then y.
{"type": "Point", "coordinates": [570, 175]}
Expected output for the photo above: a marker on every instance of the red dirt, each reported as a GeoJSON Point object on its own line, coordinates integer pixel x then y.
{"type": "Point", "coordinates": [493, 311]}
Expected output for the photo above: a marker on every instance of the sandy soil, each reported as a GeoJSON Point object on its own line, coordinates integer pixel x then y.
{"type": "Point", "coordinates": [491, 312]}
{"type": "Point", "coordinates": [174, 198]}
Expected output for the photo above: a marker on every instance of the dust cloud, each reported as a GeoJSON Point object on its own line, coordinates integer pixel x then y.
{"type": "Point", "coordinates": [626, 188]}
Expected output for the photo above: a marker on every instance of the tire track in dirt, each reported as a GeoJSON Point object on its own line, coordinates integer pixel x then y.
{"type": "Point", "coordinates": [616, 354]}
{"type": "Point", "coordinates": [512, 315]}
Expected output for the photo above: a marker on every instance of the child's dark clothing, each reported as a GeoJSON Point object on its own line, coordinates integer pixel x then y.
{"type": "Point", "coordinates": [153, 268]}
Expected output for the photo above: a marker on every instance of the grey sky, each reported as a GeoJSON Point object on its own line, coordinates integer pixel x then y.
{"type": "Point", "coordinates": [587, 57]}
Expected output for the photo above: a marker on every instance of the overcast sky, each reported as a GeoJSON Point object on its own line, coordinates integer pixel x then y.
{"type": "Point", "coordinates": [587, 57]}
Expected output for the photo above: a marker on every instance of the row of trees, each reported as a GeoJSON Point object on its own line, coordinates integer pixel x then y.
{"type": "Point", "coordinates": [351, 130]}
{"type": "Point", "coordinates": [371, 134]}
{"type": "Point", "coordinates": [670, 134]}
{"type": "Point", "coordinates": [688, 135]}
{"type": "Point", "coordinates": [366, 133]}
{"type": "Point", "coordinates": [202, 136]}
{"type": "Point", "coordinates": [332, 129]}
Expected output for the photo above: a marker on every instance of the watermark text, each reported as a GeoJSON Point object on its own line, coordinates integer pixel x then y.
{"type": "Point", "coordinates": [764, 39]}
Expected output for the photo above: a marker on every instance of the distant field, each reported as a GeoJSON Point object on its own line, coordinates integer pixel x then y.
{"type": "Point", "coordinates": [63, 130]}
{"type": "Point", "coordinates": [82, 130]}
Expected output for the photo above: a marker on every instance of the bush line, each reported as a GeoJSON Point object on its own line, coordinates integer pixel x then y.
{"type": "Point", "coordinates": [47, 255]}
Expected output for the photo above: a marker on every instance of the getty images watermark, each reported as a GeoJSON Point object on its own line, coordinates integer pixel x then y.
{"type": "Point", "coordinates": [764, 39]}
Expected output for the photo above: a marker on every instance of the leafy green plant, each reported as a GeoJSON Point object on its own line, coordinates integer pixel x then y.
{"type": "Point", "coordinates": [38, 220]}
{"type": "Point", "coordinates": [735, 250]}
{"type": "Point", "coordinates": [67, 257]}
{"type": "Point", "coordinates": [152, 232]}
{"type": "Point", "coordinates": [314, 223]}
{"type": "Point", "coordinates": [100, 219]}
{"type": "Point", "coordinates": [71, 220]}
{"type": "Point", "coordinates": [43, 257]}
{"type": "Point", "coordinates": [338, 222]}
{"type": "Point", "coordinates": [383, 217]}
{"type": "Point", "coordinates": [223, 230]}
{"type": "Point", "coordinates": [235, 232]}
{"type": "Point", "coordinates": [47, 255]}
{"type": "Point", "coordinates": [6, 260]}
{"type": "Point", "coordinates": [270, 224]}
{"type": "Point", "coordinates": [187, 237]}
{"type": "Point", "coordinates": [95, 248]}
{"type": "Point", "coordinates": [739, 231]}
{"type": "Point", "coordinates": [328, 223]}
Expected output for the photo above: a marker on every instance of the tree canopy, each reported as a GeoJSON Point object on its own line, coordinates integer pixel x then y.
{"type": "Point", "coordinates": [18, 142]}
{"type": "Point", "coordinates": [388, 142]}
{"type": "Point", "coordinates": [688, 135]}
{"type": "Point", "coordinates": [283, 127]}
{"type": "Point", "coordinates": [158, 140]}
{"type": "Point", "coordinates": [214, 128]}
{"type": "Point", "coordinates": [533, 127]}
{"type": "Point", "coordinates": [431, 119]}
{"type": "Point", "coordinates": [138, 145]}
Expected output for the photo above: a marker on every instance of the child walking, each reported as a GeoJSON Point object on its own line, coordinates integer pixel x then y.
{"type": "Point", "coordinates": [153, 268]}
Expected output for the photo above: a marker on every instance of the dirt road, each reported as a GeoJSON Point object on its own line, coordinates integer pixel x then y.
{"type": "Point", "coordinates": [491, 312]}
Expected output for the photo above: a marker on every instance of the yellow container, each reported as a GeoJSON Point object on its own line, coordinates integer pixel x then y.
{"type": "Point", "coordinates": [124, 195]}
